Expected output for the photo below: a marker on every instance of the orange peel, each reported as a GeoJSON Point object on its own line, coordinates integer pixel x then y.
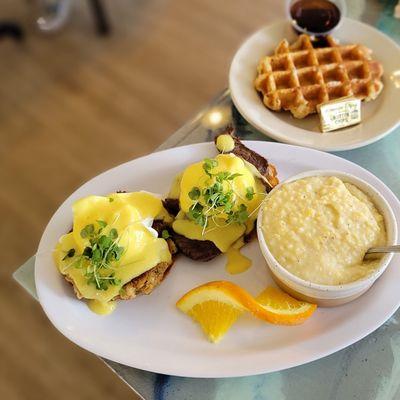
{"type": "Point", "coordinates": [216, 306]}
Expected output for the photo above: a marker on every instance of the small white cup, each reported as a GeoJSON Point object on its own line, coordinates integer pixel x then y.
{"type": "Point", "coordinates": [330, 295]}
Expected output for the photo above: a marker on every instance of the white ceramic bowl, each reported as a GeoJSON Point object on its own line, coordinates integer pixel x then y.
{"type": "Point", "coordinates": [330, 295]}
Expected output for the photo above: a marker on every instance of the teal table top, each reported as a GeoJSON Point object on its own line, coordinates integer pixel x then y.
{"type": "Point", "coordinates": [370, 368]}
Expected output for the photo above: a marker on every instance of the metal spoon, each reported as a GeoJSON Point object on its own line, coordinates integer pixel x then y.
{"type": "Point", "coordinates": [384, 249]}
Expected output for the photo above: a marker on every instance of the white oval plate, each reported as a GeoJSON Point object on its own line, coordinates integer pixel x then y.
{"type": "Point", "coordinates": [379, 117]}
{"type": "Point", "coordinates": [151, 334]}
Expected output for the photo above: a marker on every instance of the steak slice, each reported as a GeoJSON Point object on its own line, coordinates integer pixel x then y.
{"type": "Point", "coordinates": [205, 250]}
{"type": "Point", "coordinates": [202, 250]}
{"type": "Point", "coordinates": [198, 250]}
{"type": "Point", "coordinates": [267, 171]}
{"type": "Point", "coordinates": [172, 206]}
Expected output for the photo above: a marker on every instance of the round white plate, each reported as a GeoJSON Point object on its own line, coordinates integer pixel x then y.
{"type": "Point", "coordinates": [379, 117]}
{"type": "Point", "coordinates": [151, 334]}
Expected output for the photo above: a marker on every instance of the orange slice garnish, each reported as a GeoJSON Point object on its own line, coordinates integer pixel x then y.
{"type": "Point", "coordinates": [280, 308]}
{"type": "Point", "coordinates": [217, 305]}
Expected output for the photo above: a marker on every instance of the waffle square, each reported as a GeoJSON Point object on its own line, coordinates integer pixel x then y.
{"type": "Point", "coordinates": [300, 76]}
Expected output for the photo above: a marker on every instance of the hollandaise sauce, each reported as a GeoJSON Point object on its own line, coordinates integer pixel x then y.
{"type": "Point", "coordinates": [219, 199]}
{"type": "Point", "coordinates": [101, 308]}
{"type": "Point", "coordinates": [111, 243]}
{"type": "Point", "coordinates": [236, 262]}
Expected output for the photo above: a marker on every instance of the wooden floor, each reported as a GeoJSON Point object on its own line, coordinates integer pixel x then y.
{"type": "Point", "coordinates": [73, 105]}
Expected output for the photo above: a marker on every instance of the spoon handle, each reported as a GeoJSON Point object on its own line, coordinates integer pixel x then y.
{"type": "Point", "coordinates": [385, 249]}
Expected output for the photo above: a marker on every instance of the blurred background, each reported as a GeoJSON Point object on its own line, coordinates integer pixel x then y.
{"type": "Point", "coordinates": [77, 102]}
{"type": "Point", "coordinates": [106, 82]}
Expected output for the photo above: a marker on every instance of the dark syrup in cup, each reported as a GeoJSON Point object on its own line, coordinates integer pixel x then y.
{"type": "Point", "coordinates": [315, 16]}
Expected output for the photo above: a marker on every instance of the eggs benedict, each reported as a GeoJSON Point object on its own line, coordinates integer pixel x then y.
{"type": "Point", "coordinates": [114, 251]}
{"type": "Point", "coordinates": [216, 202]}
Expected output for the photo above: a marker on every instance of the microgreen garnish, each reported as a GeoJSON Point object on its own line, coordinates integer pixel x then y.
{"type": "Point", "coordinates": [194, 194]}
{"type": "Point", "coordinates": [217, 198]}
{"type": "Point", "coordinates": [87, 231]}
{"type": "Point", "coordinates": [100, 253]}
{"type": "Point", "coordinates": [250, 193]}
{"type": "Point", "coordinates": [196, 214]}
{"type": "Point", "coordinates": [102, 224]}
{"type": "Point", "coordinates": [240, 216]}
{"type": "Point", "coordinates": [110, 199]}
{"type": "Point", "coordinates": [208, 165]}
{"type": "Point", "coordinates": [165, 234]}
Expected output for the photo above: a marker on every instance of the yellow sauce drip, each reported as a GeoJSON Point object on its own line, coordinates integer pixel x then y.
{"type": "Point", "coordinates": [236, 262]}
{"type": "Point", "coordinates": [223, 237]}
{"type": "Point", "coordinates": [100, 307]}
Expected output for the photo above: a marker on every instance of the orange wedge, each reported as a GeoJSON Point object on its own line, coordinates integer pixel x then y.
{"type": "Point", "coordinates": [217, 305]}
{"type": "Point", "coordinates": [280, 308]}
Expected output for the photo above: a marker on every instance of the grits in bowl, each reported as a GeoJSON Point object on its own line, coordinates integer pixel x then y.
{"type": "Point", "coordinates": [319, 229]}
{"type": "Point", "coordinates": [314, 230]}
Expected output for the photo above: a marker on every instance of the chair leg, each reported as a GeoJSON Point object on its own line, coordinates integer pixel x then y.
{"type": "Point", "coordinates": [100, 17]}
{"type": "Point", "coordinates": [11, 29]}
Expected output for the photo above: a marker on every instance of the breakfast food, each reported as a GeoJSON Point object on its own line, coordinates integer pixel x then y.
{"type": "Point", "coordinates": [114, 250]}
{"type": "Point", "coordinates": [215, 201]}
{"type": "Point", "coordinates": [319, 229]}
{"type": "Point", "coordinates": [300, 76]}
{"type": "Point", "coordinates": [217, 305]}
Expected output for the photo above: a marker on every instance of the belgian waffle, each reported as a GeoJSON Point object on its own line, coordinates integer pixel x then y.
{"type": "Point", "coordinates": [300, 76]}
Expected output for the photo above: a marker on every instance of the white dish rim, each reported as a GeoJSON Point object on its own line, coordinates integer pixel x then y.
{"type": "Point", "coordinates": [199, 372]}
{"type": "Point", "coordinates": [275, 133]}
